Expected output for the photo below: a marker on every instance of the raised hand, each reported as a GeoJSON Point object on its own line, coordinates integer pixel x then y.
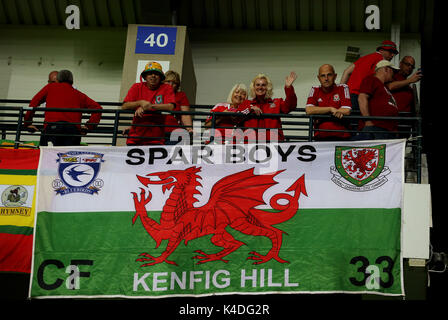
{"type": "Point", "coordinates": [289, 80]}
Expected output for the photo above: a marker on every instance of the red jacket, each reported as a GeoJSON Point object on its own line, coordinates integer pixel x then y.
{"type": "Point", "coordinates": [381, 103]}
{"type": "Point", "coordinates": [268, 106]}
{"type": "Point", "coordinates": [364, 67]}
{"type": "Point", "coordinates": [63, 95]}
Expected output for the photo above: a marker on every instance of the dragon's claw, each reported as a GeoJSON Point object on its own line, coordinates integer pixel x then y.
{"type": "Point", "coordinates": [262, 259]}
{"type": "Point", "coordinates": [256, 256]}
{"type": "Point", "coordinates": [145, 254]}
{"type": "Point", "coordinates": [204, 257]}
{"type": "Point", "coordinates": [154, 260]}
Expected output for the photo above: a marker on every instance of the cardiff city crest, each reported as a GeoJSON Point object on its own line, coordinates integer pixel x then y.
{"type": "Point", "coordinates": [78, 171]}
{"type": "Point", "coordinates": [362, 167]}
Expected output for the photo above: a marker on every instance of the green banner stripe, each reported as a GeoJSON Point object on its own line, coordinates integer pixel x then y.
{"type": "Point", "coordinates": [16, 230]}
{"type": "Point", "coordinates": [29, 172]}
{"type": "Point", "coordinates": [310, 227]}
{"type": "Point", "coordinates": [323, 250]}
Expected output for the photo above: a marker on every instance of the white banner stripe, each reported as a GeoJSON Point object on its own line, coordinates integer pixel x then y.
{"type": "Point", "coordinates": [88, 179]}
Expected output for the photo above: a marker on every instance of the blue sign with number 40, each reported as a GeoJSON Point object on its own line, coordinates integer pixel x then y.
{"type": "Point", "coordinates": [156, 40]}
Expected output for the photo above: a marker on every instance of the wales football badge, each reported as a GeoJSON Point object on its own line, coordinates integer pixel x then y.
{"type": "Point", "coordinates": [360, 168]}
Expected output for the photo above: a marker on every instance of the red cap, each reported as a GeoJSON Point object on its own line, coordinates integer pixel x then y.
{"type": "Point", "coordinates": [388, 45]}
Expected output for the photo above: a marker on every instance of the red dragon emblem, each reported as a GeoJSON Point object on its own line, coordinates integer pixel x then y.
{"type": "Point", "coordinates": [232, 203]}
{"type": "Point", "coordinates": [361, 164]}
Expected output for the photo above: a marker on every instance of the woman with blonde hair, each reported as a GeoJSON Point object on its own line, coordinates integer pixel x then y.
{"type": "Point", "coordinates": [173, 122]}
{"type": "Point", "coordinates": [224, 124]}
{"type": "Point", "coordinates": [261, 90]}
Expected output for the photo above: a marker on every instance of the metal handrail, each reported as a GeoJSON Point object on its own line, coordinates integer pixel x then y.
{"type": "Point", "coordinates": [119, 117]}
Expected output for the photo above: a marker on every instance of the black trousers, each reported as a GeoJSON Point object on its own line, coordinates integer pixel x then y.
{"type": "Point", "coordinates": [61, 134]}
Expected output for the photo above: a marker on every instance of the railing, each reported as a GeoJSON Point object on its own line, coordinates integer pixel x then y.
{"type": "Point", "coordinates": [297, 127]}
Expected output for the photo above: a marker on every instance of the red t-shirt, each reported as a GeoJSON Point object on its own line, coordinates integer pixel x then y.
{"type": "Point", "coordinates": [268, 106]}
{"type": "Point", "coordinates": [403, 96]}
{"type": "Point", "coordinates": [225, 121]}
{"type": "Point", "coordinates": [172, 122]}
{"type": "Point", "coordinates": [338, 97]}
{"type": "Point", "coordinates": [162, 95]}
{"type": "Point", "coordinates": [381, 103]}
{"type": "Point", "coordinates": [364, 67]}
{"type": "Point", "coordinates": [63, 95]}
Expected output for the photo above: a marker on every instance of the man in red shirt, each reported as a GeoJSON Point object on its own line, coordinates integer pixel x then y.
{"type": "Point", "coordinates": [62, 128]}
{"type": "Point", "coordinates": [329, 98]}
{"type": "Point", "coordinates": [400, 85]}
{"type": "Point", "coordinates": [364, 67]}
{"type": "Point", "coordinates": [151, 95]}
{"type": "Point", "coordinates": [53, 77]}
{"type": "Point", "coordinates": [376, 100]}
{"type": "Point", "coordinates": [261, 90]}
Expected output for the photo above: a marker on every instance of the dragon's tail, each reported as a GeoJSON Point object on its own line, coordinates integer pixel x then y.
{"type": "Point", "coordinates": [286, 211]}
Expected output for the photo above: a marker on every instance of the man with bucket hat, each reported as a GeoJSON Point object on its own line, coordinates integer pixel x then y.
{"type": "Point", "coordinates": [365, 66]}
{"type": "Point", "coordinates": [149, 95]}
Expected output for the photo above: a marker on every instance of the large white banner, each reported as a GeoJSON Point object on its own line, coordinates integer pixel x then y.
{"type": "Point", "coordinates": [157, 221]}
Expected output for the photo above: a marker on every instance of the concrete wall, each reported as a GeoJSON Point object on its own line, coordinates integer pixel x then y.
{"type": "Point", "coordinates": [221, 58]}
{"type": "Point", "coordinates": [28, 54]}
